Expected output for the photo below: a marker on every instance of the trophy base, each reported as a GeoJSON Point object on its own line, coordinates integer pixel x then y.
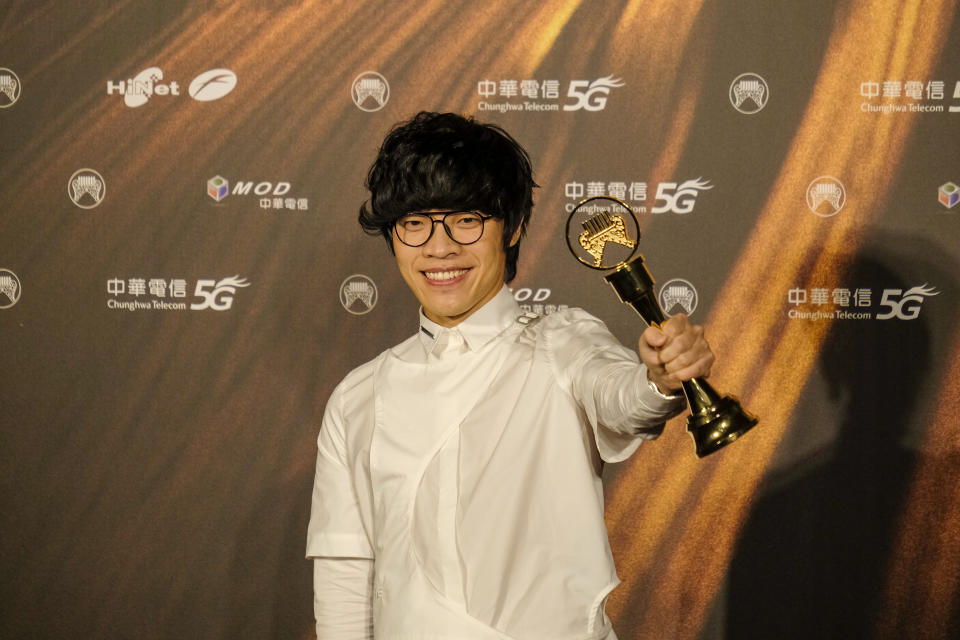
{"type": "Point", "coordinates": [718, 425]}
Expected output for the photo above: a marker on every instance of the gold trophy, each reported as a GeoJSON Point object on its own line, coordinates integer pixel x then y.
{"type": "Point", "coordinates": [598, 235]}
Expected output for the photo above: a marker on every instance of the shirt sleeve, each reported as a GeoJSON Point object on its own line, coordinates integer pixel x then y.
{"type": "Point", "coordinates": [609, 382]}
{"type": "Point", "coordinates": [336, 527]}
{"type": "Point", "coordinates": [343, 598]}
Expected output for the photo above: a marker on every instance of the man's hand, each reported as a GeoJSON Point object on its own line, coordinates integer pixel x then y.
{"type": "Point", "coordinates": [675, 352]}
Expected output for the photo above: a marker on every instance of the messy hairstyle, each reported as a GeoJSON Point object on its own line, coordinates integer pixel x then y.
{"type": "Point", "coordinates": [447, 161]}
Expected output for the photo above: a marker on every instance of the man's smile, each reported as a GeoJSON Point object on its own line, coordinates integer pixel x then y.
{"type": "Point", "coordinates": [444, 275]}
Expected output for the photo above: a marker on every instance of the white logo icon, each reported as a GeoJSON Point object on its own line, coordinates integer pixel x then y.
{"type": "Point", "coordinates": [591, 96]}
{"type": "Point", "coordinates": [86, 188]}
{"type": "Point", "coordinates": [370, 91]}
{"type": "Point", "coordinates": [826, 196]}
{"type": "Point", "coordinates": [217, 295]}
{"type": "Point", "coordinates": [212, 85]}
{"type": "Point", "coordinates": [9, 288]}
{"type": "Point", "coordinates": [9, 87]}
{"type": "Point", "coordinates": [138, 90]}
{"type": "Point", "coordinates": [678, 296]}
{"type": "Point", "coordinates": [749, 93]}
{"type": "Point", "coordinates": [679, 199]}
{"type": "Point", "coordinates": [898, 308]}
{"type": "Point", "coordinates": [358, 294]}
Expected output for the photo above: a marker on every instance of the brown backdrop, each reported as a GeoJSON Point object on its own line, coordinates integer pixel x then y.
{"type": "Point", "coordinates": [155, 463]}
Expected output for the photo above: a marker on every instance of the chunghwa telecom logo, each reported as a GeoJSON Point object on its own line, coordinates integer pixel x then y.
{"type": "Point", "coordinates": [370, 91]}
{"type": "Point", "coordinates": [9, 88]}
{"type": "Point", "coordinates": [86, 188]}
{"type": "Point", "coordinates": [170, 294]}
{"type": "Point", "coordinates": [826, 196]}
{"type": "Point", "coordinates": [9, 288]}
{"type": "Point", "coordinates": [849, 303]}
{"type": "Point", "coordinates": [678, 296]}
{"type": "Point", "coordinates": [749, 93]}
{"type": "Point", "coordinates": [358, 294]}
{"type": "Point", "coordinates": [544, 95]}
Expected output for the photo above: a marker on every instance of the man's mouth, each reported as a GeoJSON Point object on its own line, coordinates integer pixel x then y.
{"type": "Point", "coordinates": [444, 275]}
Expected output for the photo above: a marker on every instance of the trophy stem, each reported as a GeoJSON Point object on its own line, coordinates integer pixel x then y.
{"type": "Point", "coordinates": [634, 284]}
{"type": "Point", "coordinates": [715, 421]}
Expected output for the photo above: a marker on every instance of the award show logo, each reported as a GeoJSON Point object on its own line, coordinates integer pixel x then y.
{"type": "Point", "coordinates": [9, 88]}
{"type": "Point", "coordinates": [826, 196]}
{"type": "Point", "coordinates": [86, 188]}
{"type": "Point", "coordinates": [749, 93]}
{"type": "Point", "coordinates": [212, 85]}
{"type": "Point", "coordinates": [678, 296]}
{"type": "Point", "coordinates": [948, 194]}
{"type": "Point", "coordinates": [358, 294]}
{"type": "Point", "coordinates": [206, 87]}
{"type": "Point", "coordinates": [370, 91]}
{"type": "Point", "coordinates": [9, 288]}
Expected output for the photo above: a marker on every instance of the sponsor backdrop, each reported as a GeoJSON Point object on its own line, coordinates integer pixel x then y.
{"type": "Point", "coordinates": [182, 283]}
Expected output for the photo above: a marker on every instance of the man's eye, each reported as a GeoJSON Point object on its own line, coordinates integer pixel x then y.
{"type": "Point", "coordinates": [468, 221]}
{"type": "Point", "coordinates": [411, 224]}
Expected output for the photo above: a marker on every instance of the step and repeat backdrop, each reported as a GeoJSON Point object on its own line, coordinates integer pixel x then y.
{"type": "Point", "coordinates": [183, 283]}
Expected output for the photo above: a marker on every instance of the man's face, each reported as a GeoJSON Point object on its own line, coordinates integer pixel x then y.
{"type": "Point", "coordinates": [453, 280]}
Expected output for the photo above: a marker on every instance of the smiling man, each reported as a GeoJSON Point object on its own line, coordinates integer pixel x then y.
{"type": "Point", "coordinates": [457, 492]}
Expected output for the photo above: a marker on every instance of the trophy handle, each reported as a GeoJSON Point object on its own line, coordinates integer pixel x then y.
{"type": "Point", "coordinates": [715, 421]}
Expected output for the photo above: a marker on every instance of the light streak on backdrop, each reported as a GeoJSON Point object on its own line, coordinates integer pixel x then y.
{"type": "Point", "coordinates": [750, 335]}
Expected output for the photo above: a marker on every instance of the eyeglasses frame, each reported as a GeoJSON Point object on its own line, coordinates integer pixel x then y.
{"type": "Point", "coordinates": [443, 221]}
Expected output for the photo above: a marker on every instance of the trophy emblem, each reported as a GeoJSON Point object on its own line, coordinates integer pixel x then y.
{"type": "Point", "coordinates": [599, 236]}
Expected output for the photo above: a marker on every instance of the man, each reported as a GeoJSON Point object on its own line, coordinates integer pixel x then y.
{"type": "Point", "coordinates": [458, 492]}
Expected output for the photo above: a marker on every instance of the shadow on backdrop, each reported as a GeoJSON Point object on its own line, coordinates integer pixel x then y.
{"type": "Point", "coordinates": [812, 560]}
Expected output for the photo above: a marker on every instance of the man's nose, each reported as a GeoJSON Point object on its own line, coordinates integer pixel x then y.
{"type": "Point", "coordinates": [440, 243]}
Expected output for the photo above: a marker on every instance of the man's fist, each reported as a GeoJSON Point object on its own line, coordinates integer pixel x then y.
{"type": "Point", "coordinates": [675, 352]}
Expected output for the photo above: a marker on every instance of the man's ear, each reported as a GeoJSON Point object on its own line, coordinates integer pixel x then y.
{"type": "Point", "coordinates": [516, 236]}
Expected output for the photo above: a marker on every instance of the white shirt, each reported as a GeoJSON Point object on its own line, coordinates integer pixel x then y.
{"type": "Point", "coordinates": [466, 463]}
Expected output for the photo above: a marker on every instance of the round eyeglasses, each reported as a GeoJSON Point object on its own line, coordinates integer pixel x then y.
{"type": "Point", "coordinates": [463, 227]}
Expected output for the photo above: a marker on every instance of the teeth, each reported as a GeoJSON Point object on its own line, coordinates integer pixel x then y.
{"type": "Point", "coordinates": [444, 275]}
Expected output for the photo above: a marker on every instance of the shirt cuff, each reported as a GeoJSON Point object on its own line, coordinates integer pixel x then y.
{"type": "Point", "coordinates": [656, 390]}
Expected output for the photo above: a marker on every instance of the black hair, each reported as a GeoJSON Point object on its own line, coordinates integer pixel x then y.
{"type": "Point", "coordinates": [448, 161]}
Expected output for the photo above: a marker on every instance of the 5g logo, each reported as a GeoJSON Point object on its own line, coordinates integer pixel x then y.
{"type": "Point", "coordinates": [591, 96]}
{"type": "Point", "coordinates": [679, 199]}
{"type": "Point", "coordinates": [217, 295]}
{"type": "Point", "coordinates": [907, 307]}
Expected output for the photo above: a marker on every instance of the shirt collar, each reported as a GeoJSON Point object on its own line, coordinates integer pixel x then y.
{"type": "Point", "coordinates": [482, 326]}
